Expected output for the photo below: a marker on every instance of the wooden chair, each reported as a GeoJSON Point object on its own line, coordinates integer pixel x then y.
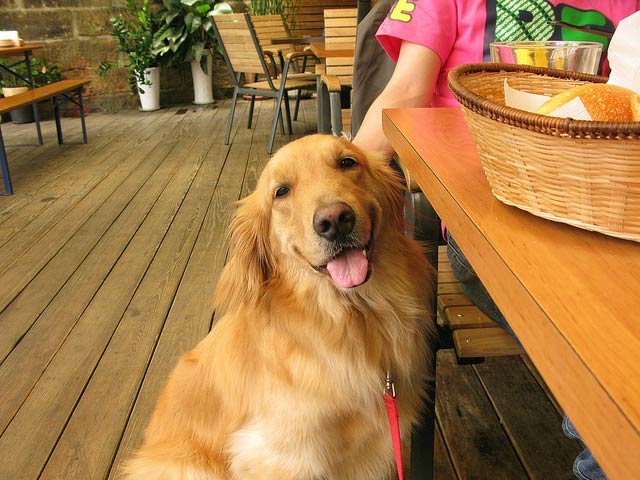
{"type": "Point", "coordinates": [243, 54]}
{"type": "Point", "coordinates": [269, 27]}
{"type": "Point", "coordinates": [339, 29]}
{"type": "Point", "coordinates": [309, 15]}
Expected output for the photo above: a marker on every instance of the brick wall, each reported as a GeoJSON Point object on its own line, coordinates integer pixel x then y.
{"type": "Point", "coordinates": [77, 38]}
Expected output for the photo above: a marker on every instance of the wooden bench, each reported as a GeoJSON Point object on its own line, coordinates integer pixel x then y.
{"type": "Point", "coordinates": [58, 91]}
{"type": "Point", "coordinates": [474, 334]}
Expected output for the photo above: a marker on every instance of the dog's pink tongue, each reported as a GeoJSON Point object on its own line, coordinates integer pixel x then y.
{"type": "Point", "coordinates": [349, 269]}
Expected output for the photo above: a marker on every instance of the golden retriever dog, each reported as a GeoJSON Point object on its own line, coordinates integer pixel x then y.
{"type": "Point", "coordinates": [322, 295]}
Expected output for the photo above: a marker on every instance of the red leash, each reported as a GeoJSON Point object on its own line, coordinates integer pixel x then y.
{"type": "Point", "coordinates": [394, 424]}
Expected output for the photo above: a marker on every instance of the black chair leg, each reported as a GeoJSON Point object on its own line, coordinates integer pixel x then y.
{"type": "Point", "coordinates": [297, 108]}
{"type": "Point", "coordinates": [287, 111]}
{"type": "Point", "coordinates": [278, 108]}
{"type": "Point", "coordinates": [251, 105]}
{"type": "Point", "coordinates": [277, 116]}
{"type": "Point", "coordinates": [233, 111]}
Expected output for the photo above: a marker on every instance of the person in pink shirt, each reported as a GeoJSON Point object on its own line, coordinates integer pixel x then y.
{"type": "Point", "coordinates": [427, 38]}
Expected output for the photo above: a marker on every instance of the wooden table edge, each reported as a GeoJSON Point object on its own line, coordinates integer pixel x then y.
{"type": "Point", "coordinates": [617, 458]}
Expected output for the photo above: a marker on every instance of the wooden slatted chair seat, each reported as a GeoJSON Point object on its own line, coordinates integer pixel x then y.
{"type": "Point", "coordinates": [243, 54]}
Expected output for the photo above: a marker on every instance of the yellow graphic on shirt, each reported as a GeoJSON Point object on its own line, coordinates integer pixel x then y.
{"type": "Point", "coordinates": [402, 11]}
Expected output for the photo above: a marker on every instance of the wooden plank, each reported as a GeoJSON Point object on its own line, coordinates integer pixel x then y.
{"type": "Point", "coordinates": [449, 288]}
{"type": "Point", "coordinates": [16, 319]}
{"type": "Point", "coordinates": [340, 13]}
{"type": "Point", "coordinates": [87, 446]}
{"type": "Point", "coordinates": [80, 184]}
{"type": "Point", "coordinates": [442, 465]}
{"type": "Point", "coordinates": [32, 163]}
{"type": "Point", "coordinates": [448, 300]}
{"type": "Point", "coordinates": [84, 299]}
{"type": "Point", "coordinates": [467, 316]}
{"type": "Point", "coordinates": [52, 181]}
{"type": "Point", "coordinates": [484, 342]}
{"type": "Point", "coordinates": [478, 445]}
{"type": "Point", "coordinates": [45, 172]}
{"type": "Point", "coordinates": [528, 417]}
{"type": "Point", "coordinates": [444, 266]}
{"type": "Point", "coordinates": [447, 277]}
{"type": "Point", "coordinates": [29, 444]}
{"type": "Point", "coordinates": [190, 318]}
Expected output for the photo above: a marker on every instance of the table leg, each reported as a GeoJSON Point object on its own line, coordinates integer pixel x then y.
{"type": "Point", "coordinates": [36, 115]}
{"type": "Point", "coordinates": [4, 169]}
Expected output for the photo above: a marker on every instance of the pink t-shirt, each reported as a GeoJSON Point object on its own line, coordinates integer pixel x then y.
{"type": "Point", "coordinates": [459, 31]}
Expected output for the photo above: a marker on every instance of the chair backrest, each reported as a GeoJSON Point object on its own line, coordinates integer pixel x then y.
{"type": "Point", "coordinates": [340, 26]}
{"type": "Point", "coordinates": [309, 20]}
{"type": "Point", "coordinates": [271, 26]}
{"type": "Point", "coordinates": [240, 45]}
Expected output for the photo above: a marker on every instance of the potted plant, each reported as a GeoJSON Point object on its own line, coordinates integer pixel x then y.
{"type": "Point", "coordinates": [186, 35]}
{"type": "Point", "coordinates": [134, 30]}
{"type": "Point", "coordinates": [42, 74]}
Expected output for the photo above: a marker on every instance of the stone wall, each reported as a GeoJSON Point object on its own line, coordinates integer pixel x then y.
{"type": "Point", "coordinates": [77, 38]}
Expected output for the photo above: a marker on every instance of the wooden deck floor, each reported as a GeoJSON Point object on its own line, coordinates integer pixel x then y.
{"type": "Point", "coordinates": [109, 254]}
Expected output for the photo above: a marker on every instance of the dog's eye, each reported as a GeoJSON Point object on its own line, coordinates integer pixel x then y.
{"type": "Point", "coordinates": [282, 191]}
{"type": "Point", "coordinates": [347, 162]}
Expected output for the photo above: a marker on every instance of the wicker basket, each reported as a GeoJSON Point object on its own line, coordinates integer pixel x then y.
{"type": "Point", "coordinates": [583, 173]}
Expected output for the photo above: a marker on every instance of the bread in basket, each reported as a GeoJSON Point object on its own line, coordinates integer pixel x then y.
{"type": "Point", "coordinates": [579, 172]}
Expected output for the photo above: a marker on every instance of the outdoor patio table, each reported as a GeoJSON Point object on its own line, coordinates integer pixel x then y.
{"type": "Point", "coordinates": [24, 51]}
{"type": "Point", "coordinates": [572, 296]}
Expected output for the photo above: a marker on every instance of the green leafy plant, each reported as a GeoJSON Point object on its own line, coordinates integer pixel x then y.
{"type": "Point", "coordinates": [186, 30]}
{"type": "Point", "coordinates": [41, 71]}
{"type": "Point", "coordinates": [134, 29]}
{"type": "Point", "coordinates": [287, 8]}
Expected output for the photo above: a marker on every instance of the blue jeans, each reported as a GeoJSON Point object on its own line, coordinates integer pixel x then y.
{"type": "Point", "coordinates": [585, 466]}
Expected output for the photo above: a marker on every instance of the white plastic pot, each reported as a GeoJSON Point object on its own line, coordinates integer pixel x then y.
{"type": "Point", "coordinates": [202, 85]}
{"type": "Point", "coordinates": [150, 99]}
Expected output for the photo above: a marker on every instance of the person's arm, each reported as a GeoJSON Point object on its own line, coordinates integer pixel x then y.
{"type": "Point", "coordinates": [411, 85]}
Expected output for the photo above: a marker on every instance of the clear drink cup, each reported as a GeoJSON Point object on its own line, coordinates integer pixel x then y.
{"type": "Point", "coordinates": [574, 56]}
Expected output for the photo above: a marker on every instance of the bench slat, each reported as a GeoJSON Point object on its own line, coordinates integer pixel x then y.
{"type": "Point", "coordinates": [40, 93]}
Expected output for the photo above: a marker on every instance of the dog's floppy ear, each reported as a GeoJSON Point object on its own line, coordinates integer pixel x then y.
{"type": "Point", "coordinates": [251, 262]}
{"type": "Point", "coordinates": [390, 188]}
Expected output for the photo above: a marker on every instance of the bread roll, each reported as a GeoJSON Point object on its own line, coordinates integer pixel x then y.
{"type": "Point", "coordinates": [604, 102]}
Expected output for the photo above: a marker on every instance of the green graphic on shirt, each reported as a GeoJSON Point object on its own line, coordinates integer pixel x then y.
{"type": "Point", "coordinates": [528, 20]}
{"type": "Point", "coordinates": [581, 18]}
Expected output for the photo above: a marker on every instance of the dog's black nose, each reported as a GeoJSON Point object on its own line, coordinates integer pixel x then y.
{"type": "Point", "coordinates": [334, 221]}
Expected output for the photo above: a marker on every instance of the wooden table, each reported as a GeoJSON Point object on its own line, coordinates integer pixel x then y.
{"type": "Point", "coordinates": [572, 296]}
{"type": "Point", "coordinates": [295, 40]}
{"type": "Point", "coordinates": [24, 51]}
{"type": "Point", "coordinates": [331, 50]}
